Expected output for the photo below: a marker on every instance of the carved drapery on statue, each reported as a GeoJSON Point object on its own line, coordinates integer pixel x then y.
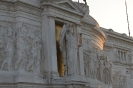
{"type": "Point", "coordinates": [69, 48]}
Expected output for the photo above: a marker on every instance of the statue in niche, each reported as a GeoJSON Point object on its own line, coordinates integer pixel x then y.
{"type": "Point", "coordinates": [8, 48]}
{"type": "Point", "coordinates": [69, 46]}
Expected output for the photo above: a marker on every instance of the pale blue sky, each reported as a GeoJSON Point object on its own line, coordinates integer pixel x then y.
{"type": "Point", "coordinates": [112, 14]}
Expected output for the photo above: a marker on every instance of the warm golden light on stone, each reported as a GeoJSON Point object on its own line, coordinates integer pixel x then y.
{"type": "Point", "coordinates": [61, 68]}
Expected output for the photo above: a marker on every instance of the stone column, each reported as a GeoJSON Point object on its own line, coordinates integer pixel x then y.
{"type": "Point", "coordinates": [49, 66]}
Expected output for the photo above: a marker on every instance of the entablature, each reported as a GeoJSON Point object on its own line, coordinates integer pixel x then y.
{"type": "Point", "coordinates": [64, 5]}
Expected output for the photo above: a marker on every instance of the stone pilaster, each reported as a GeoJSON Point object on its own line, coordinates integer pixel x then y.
{"type": "Point", "coordinates": [49, 67]}
{"type": "Point", "coordinates": [81, 64]}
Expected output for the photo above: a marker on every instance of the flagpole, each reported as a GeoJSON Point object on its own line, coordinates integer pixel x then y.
{"type": "Point", "coordinates": [127, 18]}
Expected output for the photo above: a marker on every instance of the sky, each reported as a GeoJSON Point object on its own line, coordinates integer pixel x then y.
{"type": "Point", "coordinates": [111, 14]}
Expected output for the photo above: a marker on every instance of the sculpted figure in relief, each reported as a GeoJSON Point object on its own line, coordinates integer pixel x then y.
{"type": "Point", "coordinates": [21, 47]}
{"type": "Point", "coordinates": [93, 64]}
{"type": "Point", "coordinates": [87, 63]}
{"type": "Point", "coordinates": [28, 49]}
{"type": "Point", "coordinates": [99, 68]}
{"type": "Point", "coordinates": [69, 46]}
{"type": "Point", "coordinates": [1, 51]}
{"type": "Point", "coordinates": [97, 65]}
{"type": "Point", "coordinates": [7, 39]}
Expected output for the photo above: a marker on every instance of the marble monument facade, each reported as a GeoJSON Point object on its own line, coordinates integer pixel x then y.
{"type": "Point", "coordinates": [57, 44]}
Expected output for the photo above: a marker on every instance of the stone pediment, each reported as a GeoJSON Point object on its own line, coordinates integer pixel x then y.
{"type": "Point", "coordinates": [66, 4]}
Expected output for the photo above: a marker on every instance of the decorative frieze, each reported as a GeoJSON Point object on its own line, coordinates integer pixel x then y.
{"type": "Point", "coordinates": [97, 66]}
{"type": "Point", "coordinates": [35, 52]}
{"type": "Point", "coordinates": [120, 42]}
{"type": "Point", "coordinates": [7, 46]}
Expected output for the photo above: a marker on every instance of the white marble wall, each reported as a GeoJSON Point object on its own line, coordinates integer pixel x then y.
{"type": "Point", "coordinates": [28, 55]}
{"type": "Point", "coordinates": [120, 50]}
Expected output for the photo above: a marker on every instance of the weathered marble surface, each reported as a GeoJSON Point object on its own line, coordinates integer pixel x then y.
{"type": "Point", "coordinates": [94, 57]}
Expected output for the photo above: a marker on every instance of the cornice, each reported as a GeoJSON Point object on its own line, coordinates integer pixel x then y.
{"type": "Point", "coordinates": [110, 32]}
{"type": "Point", "coordinates": [122, 63]}
{"type": "Point", "coordinates": [63, 9]}
{"type": "Point", "coordinates": [72, 8]}
{"type": "Point", "coordinates": [19, 6]}
{"type": "Point", "coordinates": [119, 41]}
{"type": "Point", "coordinates": [22, 1]}
{"type": "Point", "coordinates": [57, 2]}
{"type": "Point", "coordinates": [16, 5]}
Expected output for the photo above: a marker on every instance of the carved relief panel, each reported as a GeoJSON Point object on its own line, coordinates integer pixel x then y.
{"type": "Point", "coordinates": [28, 48]}
{"type": "Point", "coordinates": [97, 65]}
{"type": "Point", "coordinates": [7, 45]}
{"type": "Point", "coordinates": [119, 81]}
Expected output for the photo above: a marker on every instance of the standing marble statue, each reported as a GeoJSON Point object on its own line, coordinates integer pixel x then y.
{"type": "Point", "coordinates": [69, 46]}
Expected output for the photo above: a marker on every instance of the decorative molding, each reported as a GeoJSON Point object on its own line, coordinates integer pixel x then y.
{"type": "Point", "coordinates": [19, 6]}
{"type": "Point", "coordinates": [121, 42]}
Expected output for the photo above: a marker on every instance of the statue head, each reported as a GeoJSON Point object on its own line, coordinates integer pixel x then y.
{"type": "Point", "coordinates": [69, 28]}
